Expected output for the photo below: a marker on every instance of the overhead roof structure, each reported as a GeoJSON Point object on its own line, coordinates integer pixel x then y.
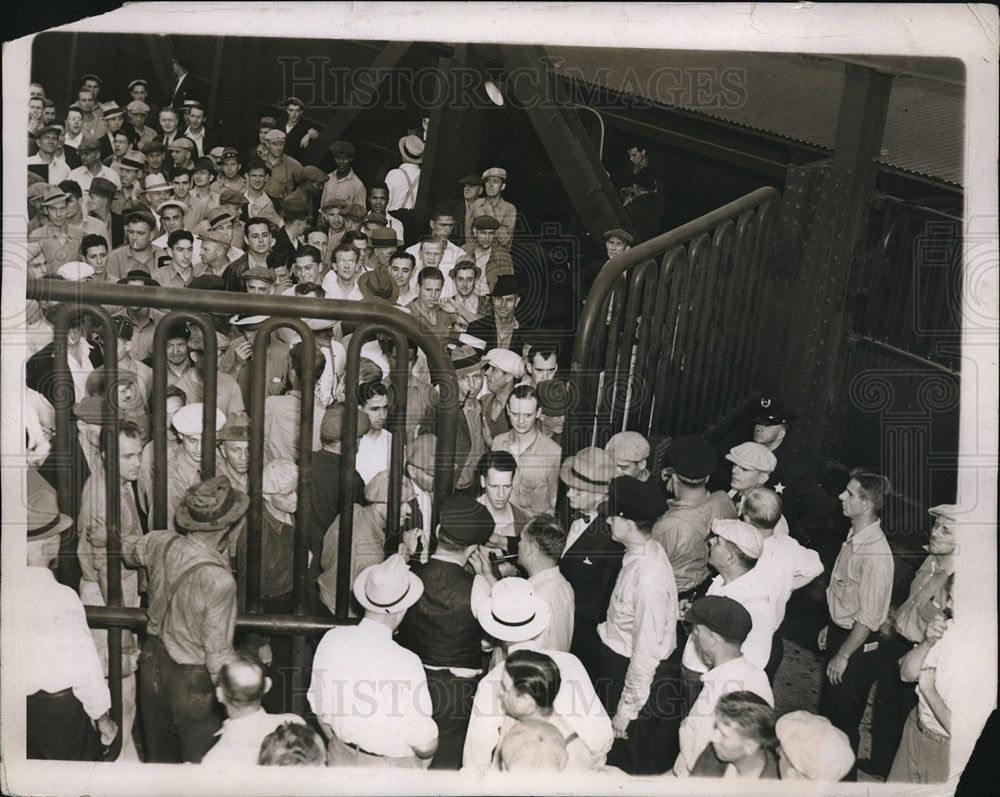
{"type": "Point", "coordinates": [791, 95]}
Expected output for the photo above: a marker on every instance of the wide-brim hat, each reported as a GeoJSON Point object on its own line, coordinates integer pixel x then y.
{"type": "Point", "coordinates": [236, 427]}
{"type": "Point", "coordinates": [156, 182]}
{"type": "Point", "coordinates": [466, 360]}
{"type": "Point", "coordinates": [513, 612]}
{"type": "Point", "coordinates": [388, 587]}
{"type": "Point", "coordinates": [472, 179]}
{"type": "Point", "coordinates": [101, 186]}
{"type": "Point", "coordinates": [266, 123]}
{"type": "Point", "coordinates": [211, 505]}
{"type": "Point", "coordinates": [590, 469]}
{"type": "Point", "coordinates": [411, 148]}
{"type": "Point", "coordinates": [44, 519]}
{"type": "Point", "coordinates": [377, 285]}
{"type": "Point", "coordinates": [506, 285]}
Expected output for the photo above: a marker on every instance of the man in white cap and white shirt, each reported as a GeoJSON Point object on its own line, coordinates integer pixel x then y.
{"type": "Point", "coordinates": [752, 467]}
{"type": "Point", "coordinates": [517, 617]}
{"type": "Point", "coordinates": [502, 368]}
{"type": "Point", "coordinates": [184, 462]}
{"type": "Point", "coordinates": [733, 549]}
{"type": "Point", "coordinates": [369, 693]}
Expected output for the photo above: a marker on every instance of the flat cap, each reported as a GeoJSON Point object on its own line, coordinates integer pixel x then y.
{"type": "Point", "coordinates": [630, 446]}
{"type": "Point", "coordinates": [620, 234]}
{"type": "Point", "coordinates": [720, 614]}
{"type": "Point", "coordinates": [230, 196]}
{"type": "Point", "coordinates": [506, 361]}
{"type": "Point", "coordinates": [281, 475]}
{"type": "Point", "coordinates": [485, 222]}
{"type": "Point", "coordinates": [315, 174]}
{"type": "Point", "coordinates": [354, 212]}
{"type": "Point", "coordinates": [292, 101]}
{"type": "Point", "coordinates": [332, 426]}
{"type": "Point", "coordinates": [89, 409]}
{"type": "Point", "coordinates": [187, 420]}
{"type": "Point", "coordinates": [75, 270]}
{"type": "Point", "coordinates": [295, 207]}
{"type": "Point", "coordinates": [814, 746]}
{"type": "Point", "coordinates": [205, 232]}
{"type": "Point", "coordinates": [275, 134]}
{"type": "Point", "coordinates": [334, 202]}
{"type": "Point", "coordinates": [259, 273]}
{"type": "Point", "coordinates": [342, 148]}
{"type": "Point", "coordinates": [753, 456]}
{"type": "Point", "coordinates": [182, 142]}
{"type": "Point", "coordinates": [635, 500]}
{"type": "Point", "coordinates": [139, 213]}
{"type": "Point", "coordinates": [948, 511]}
{"type": "Point", "coordinates": [377, 489]}
{"type": "Point", "coordinates": [137, 106]}
{"type": "Point", "coordinates": [772, 413]}
{"type": "Point", "coordinates": [229, 152]}
{"type": "Point", "coordinates": [472, 179]}
{"type": "Point", "coordinates": [155, 145]}
{"type": "Point", "coordinates": [692, 457]}
{"type": "Point", "coordinates": [103, 187]}
{"type": "Point", "coordinates": [465, 520]}
{"type": "Point", "coordinates": [741, 534]}
{"type": "Point", "coordinates": [495, 171]}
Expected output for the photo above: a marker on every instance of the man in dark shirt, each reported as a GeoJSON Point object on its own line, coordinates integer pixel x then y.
{"type": "Point", "coordinates": [441, 627]}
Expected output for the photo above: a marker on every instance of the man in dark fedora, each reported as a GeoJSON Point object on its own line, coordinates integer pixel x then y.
{"type": "Point", "coordinates": [192, 617]}
{"type": "Point", "coordinates": [64, 681]}
{"type": "Point", "coordinates": [441, 627]}
{"type": "Point", "coordinates": [369, 693]}
{"type": "Point", "coordinates": [500, 328]}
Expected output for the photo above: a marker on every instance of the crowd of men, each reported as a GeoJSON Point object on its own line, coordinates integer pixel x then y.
{"type": "Point", "coordinates": [610, 612]}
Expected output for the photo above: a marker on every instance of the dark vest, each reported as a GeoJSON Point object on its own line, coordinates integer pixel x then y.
{"type": "Point", "coordinates": [440, 627]}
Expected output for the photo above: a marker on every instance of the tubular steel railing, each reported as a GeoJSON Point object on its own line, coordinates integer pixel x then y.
{"type": "Point", "coordinates": [657, 350]}
{"type": "Point", "coordinates": [196, 306]}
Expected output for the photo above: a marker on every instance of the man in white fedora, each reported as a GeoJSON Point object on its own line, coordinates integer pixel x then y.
{"type": "Point", "coordinates": [516, 618]}
{"type": "Point", "coordinates": [369, 693]}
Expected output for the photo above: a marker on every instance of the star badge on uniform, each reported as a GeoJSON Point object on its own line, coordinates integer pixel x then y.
{"type": "Point", "coordinates": [779, 488]}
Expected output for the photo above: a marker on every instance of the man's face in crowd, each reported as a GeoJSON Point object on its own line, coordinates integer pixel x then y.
{"type": "Point", "coordinates": [346, 265]}
{"type": "Point", "coordinates": [177, 352]}
{"type": "Point", "coordinates": [202, 178]}
{"type": "Point", "coordinates": [181, 182]}
{"type": "Point", "coordinates": [230, 167]}
{"type": "Point", "coordinates": [48, 143]}
{"type": "Point", "coordinates": [213, 252]}
{"type": "Point", "coordinates": [378, 200]}
{"type": "Point", "coordinates": [56, 213]}
{"type": "Point", "coordinates": [497, 486]}
{"type": "Point", "coordinates": [306, 269]}
{"type": "Point", "coordinates": [48, 114]}
{"type": "Point", "coordinates": [729, 742]}
{"type": "Point", "coordinates": [583, 500]}
{"type": "Point", "coordinates": [259, 239]}
{"type": "Point", "coordinates": [89, 157]}
{"type": "Point", "coordinates": [154, 198]}
{"type": "Point", "coordinates": [745, 478]}
{"type": "Point", "coordinates": [128, 175]}
{"type": "Point", "coordinates": [93, 87]}
{"type": "Point", "coordinates": [168, 121]}
{"type": "Point", "coordinates": [195, 118]}
{"type": "Point", "coordinates": [431, 254]}
{"type": "Point", "coordinates": [471, 384]}
{"type": "Point", "coordinates": [523, 414]}
{"type": "Point", "coordinates": [120, 144]}
{"type": "Point", "coordinates": [496, 380]}
{"type": "Point", "coordinates": [72, 206]}
{"type": "Point", "coordinates": [74, 122]}
{"type": "Point", "coordinates": [504, 306]}
{"type": "Point", "coordinates": [275, 147]}
{"type": "Point", "coordinates": [343, 164]}
{"type": "Point", "coordinates": [129, 457]}
{"type": "Point", "coordinates": [155, 160]}
{"type": "Point", "coordinates": [138, 92]}
{"type": "Point", "coordinates": [465, 281]}
{"type": "Point", "coordinates": [226, 229]}
{"type": "Point", "coordinates": [35, 106]}
{"type": "Point", "coordinates": [636, 156]}
{"type": "Point", "coordinates": [494, 185]}
{"type": "Point", "coordinates": [192, 444]}
{"type": "Point", "coordinates": [294, 113]}
{"type": "Point", "coordinates": [629, 467]}
{"type": "Point", "coordinates": [552, 425]}
{"type": "Point", "coordinates": [256, 178]}
{"type": "Point", "coordinates": [377, 410]}
{"type": "Point", "coordinates": [854, 505]}
{"type": "Point", "coordinates": [400, 269]}
{"type": "Point", "coordinates": [137, 120]}
{"type": "Point", "coordinates": [542, 368]}
{"type": "Point", "coordinates": [484, 238]}
{"type": "Point", "coordinates": [471, 192]}
{"type": "Point", "coordinates": [237, 454]}
{"type": "Point", "coordinates": [442, 226]}
{"type": "Point", "coordinates": [767, 434]}
{"type": "Point", "coordinates": [179, 155]}
{"type": "Point", "coordinates": [259, 287]}
{"type": "Point", "coordinates": [333, 217]}
{"type": "Point", "coordinates": [942, 541]}
{"type": "Point", "coordinates": [85, 99]}
{"type": "Point", "coordinates": [430, 292]}
{"type": "Point", "coordinates": [114, 123]}
{"type": "Point", "coordinates": [97, 258]}
{"type": "Point", "coordinates": [138, 234]}
{"type": "Point", "coordinates": [182, 253]}
{"type": "Point", "coordinates": [172, 219]}
{"type": "Point", "coordinates": [615, 246]}
{"type": "Point", "coordinates": [36, 266]}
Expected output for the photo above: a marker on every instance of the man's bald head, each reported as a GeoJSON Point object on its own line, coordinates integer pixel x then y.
{"type": "Point", "coordinates": [242, 681]}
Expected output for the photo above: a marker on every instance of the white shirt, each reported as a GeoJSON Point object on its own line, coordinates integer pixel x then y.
{"type": "Point", "coordinates": [576, 529]}
{"type": "Point", "coordinates": [57, 645]}
{"type": "Point", "coordinates": [240, 739]}
{"type": "Point", "coordinates": [556, 591]}
{"type": "Point", "coordinates": [789, 566]}
{"type": "Point", "coordinates": [371, 691]}
{"type": "Point", "coordinates": [641, 623]}
{"type": "Point", "coordinates": [756, 593]}
{"type": "Point", "coordinates": [374, 454]}
{"type": "Point", "coordinates": [58, 168]}
{"type": "Point", "coordinates": [452, 254]}
{"type": "Point", "coordinates": [576, 703]}
{"type": "Point", "coordinates": [403, 183]}
{"type": "Point", "coordinates": [199, 140]}
{"type": "Point", "coordinates": [83, 177]}
{"type": "Point", "coordinates": [333, 290]}
{"type": "Point", "coordinates": [735, 675]}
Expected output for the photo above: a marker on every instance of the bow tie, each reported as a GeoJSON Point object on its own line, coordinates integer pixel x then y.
{"type": "Point", "coordinates": [578, 515]}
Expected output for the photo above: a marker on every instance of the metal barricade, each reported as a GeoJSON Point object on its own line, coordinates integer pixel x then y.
{"type": "Point", "coordinates": [194, 306]}
{"type": "Point", "coordinates": [655, 351]}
